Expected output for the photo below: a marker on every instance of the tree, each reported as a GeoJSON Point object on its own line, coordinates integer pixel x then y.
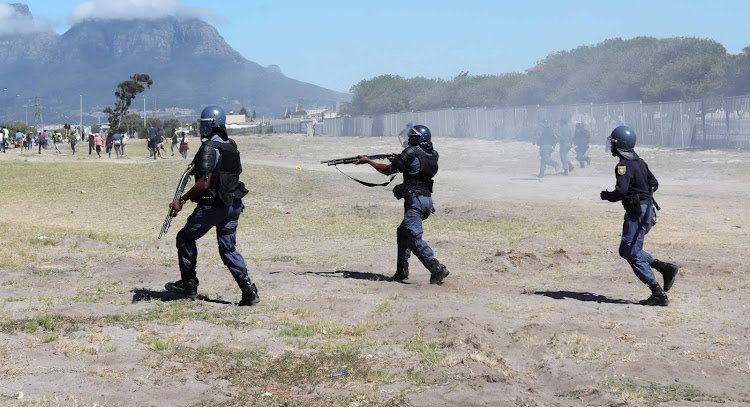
{"type": "Point", "coordinates": [171, 123]}
{"type": "Point", "coordinates": [243, 111]}
{"type": "Point", "coordinates": [125, 93]}
{"type": "Point", "coordinates": [253, 116]}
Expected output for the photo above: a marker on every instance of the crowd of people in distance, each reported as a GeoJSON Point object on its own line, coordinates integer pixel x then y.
{"type": "Point", "coordinates": [155, 142]}
{"type": "Point", "coordinates": [109, 141]}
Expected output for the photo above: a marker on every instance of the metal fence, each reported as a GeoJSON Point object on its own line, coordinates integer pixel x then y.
{"type": "Point", "coordinates": [706, 123]}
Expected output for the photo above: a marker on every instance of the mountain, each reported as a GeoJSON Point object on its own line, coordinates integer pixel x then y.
{"type": "Point", "coordinates": [190, 63]}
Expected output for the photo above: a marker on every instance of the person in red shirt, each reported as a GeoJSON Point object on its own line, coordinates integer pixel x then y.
{"type": "Point", "coordinates": [98, 141]}
{"type": "Point", "coordinates": [110, 143]}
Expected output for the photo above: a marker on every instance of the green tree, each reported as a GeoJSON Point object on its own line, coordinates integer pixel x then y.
{"type": "Point", "coordinates": [169, 124]}
{"type": "Point", "coordinates": [125, 93]}
{"type": "Point", "coordinates": [131, 123]}
{"type": "Point", "coordinates": [253, 115]}
{"type": "Point", "coordinates": [243, 111]}
{"type": "Point", "coordinates": [737, 75]}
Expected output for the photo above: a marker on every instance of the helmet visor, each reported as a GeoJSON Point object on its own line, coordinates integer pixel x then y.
{"type": "Point", "coordinates": [612, 144]}
{"type": "Point", "coordinates": [205, 126]}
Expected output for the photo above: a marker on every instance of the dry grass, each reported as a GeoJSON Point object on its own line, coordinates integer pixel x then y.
{"type": "Point", "coordinates": [90, 290]}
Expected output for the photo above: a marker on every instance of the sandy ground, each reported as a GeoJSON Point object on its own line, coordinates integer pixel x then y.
{"type": "Point", "coordinates": [539, 310]}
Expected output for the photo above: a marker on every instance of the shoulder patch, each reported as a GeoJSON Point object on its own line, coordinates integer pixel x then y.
{"type": "Point", "coordinates": [621, 169]}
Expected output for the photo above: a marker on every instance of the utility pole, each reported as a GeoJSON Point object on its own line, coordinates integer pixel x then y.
{"type": "Point", "coordinates": [38, 121]}
{"type": "Point", "coordinates": [81, 122]}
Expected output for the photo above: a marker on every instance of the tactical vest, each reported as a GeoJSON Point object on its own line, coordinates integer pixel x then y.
{"type": "Point", "coordinates": [421, 182]}
{"type": "Point", "coordinates": [225, 179]}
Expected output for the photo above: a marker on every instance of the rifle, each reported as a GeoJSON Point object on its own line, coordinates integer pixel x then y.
{"type": "Point", "coordinates": [352, 160]}
{"type": "Point", "coordinates": [652, 204]}
{"type": "Point", "coordinates": [180, 188]}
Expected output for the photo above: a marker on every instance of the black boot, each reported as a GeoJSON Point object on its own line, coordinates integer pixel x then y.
{"type": "Point", "coordinates": [188, 288]}
{"type": "Point", "coordinates": [657, 298]}
{"type": "Point", "coordinates": [402, 271]}
{"type": "Point", "coordinates": [438, 272]}
{"type": "Point", "coordinates": [249, 295]}
{"type": "Point", "coordinates": [668, 270]}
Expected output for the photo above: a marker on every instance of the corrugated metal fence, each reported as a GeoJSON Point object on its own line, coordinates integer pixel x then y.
{"type": "Point", "coordinates": [706, 123]}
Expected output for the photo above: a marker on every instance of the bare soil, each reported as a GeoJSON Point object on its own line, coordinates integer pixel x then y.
{"type": "Point", "coordinates": [539, 310]}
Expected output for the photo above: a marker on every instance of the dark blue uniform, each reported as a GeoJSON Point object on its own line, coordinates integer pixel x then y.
{"type": "Point", "coordinates": [635, 179]}
{"type": "Point", "coordinates": [546, 143]}
{"type": "Point", "coordinates": [211, 212]}
{"type": "Point", "coordinates": [417, 208]}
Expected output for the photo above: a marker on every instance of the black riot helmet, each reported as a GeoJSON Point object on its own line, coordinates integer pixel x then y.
{"type": "Point", "coordinates": [212, 117]}
{"type": "Point", "coordinates": [419, 134]}
{"type": "Point", "coordinates": [622, 142]}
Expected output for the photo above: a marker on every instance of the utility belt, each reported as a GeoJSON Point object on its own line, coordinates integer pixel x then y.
{"type": "Point", "coordinates": [207, 200]}
{"type": "Point", "coordinates": [633, 203]}
{"type": "Point", "coordinates": [402, 190]}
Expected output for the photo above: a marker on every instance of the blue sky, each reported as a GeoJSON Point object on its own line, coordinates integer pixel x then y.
{"type": "Point", "coordinates": [336, 44]}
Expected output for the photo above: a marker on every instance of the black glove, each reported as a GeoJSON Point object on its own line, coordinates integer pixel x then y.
{"type": "Point", "coordinates": [604, 195]}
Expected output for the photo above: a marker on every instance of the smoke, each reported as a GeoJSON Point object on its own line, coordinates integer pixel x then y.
{"type": "Point", "coordinates": [138, 9]}
{"type": "Point", "coordinates": [15, 21]}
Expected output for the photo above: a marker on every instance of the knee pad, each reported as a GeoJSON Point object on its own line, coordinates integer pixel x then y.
{"type": "Point", "coordinates": [181, 239]}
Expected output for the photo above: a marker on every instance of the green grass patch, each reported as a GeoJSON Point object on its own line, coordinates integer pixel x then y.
{"type": "Point", "coordinates": [649, 393]}
{"type": "Point", "coordinates": [430, 352]}
{"type": "Point", "coordinates": [158, 343]}
{"type": "Point", "coordinates": [37, 241]}
{"type": "Point", "coordinates": [307, 329]}
{"type": "Point", "coordinates": [31, 325]}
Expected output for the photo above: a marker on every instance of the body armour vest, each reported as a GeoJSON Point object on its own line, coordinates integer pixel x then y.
{"type": "Point", "coordinates": [421, 183]}
{"type": "Point", "coordinates": [225, 179]}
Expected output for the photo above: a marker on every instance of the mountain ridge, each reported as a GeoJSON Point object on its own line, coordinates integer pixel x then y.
{"type": "Point", "coordinates": [190, 62]}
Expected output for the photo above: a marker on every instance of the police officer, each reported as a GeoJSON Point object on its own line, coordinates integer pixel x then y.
{"type": "Point", "coordinates": [546, 142]}
{"type": "Point", "coordinates": [218, 193]}
{"type": "Point", "coordinates": [582, 139]}
{"type": "Point", "coordinates": [635, 184]}
{"type": "Point", "coordinates": [419, 164]}
{"type": "Point", "coordinates": [565, 138]}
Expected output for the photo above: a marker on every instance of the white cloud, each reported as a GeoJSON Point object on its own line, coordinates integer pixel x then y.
{"type": "Point", "coordinates": [138, 9]}
{"type": "Point", "coordinates": [13, 22]}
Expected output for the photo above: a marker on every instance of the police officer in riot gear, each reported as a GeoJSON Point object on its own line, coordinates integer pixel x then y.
{"type": "Point", "coordinates": [218, 193]}
{"type": "Point", "coordinates": [582, 139]}
{"type": "Point", "coordinates": [546, 142]}
{"type": "Point", "coordinates": [419, 164]}
{"type": "Point", "coordinates": [635, 184]}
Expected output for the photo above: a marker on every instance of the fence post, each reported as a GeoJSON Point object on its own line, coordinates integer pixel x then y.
{"type": "Point", "coordinates": [661, 126]}
{"type": "Point", "coordinates": [726, 115]}
{"type": "Point", "coordinates": [476, 116]}
{"type": "Point", "coordinates": [703, 113]}
{"type": "Point", "coordinates": [640, 104]}
{"type": "Point", "coordinates": [682, 129]}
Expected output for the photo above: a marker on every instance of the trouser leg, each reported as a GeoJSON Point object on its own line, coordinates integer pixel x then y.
{"type": "Point", "coordinates": [634, 230]}
{"type": "Point", "coordinates": [197, 225]}
{"type": "Point", "coordinates": [226, 236]}
{"type": "Point", "coordinates": [416, 209]}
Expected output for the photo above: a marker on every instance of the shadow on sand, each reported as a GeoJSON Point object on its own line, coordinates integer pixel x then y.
{"type": "Point", "coordinates": [142, 294]}
{"type": "Point", "coordinates": [585, 296]}
{"type": "Point", "coordinates": [356, 275]}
